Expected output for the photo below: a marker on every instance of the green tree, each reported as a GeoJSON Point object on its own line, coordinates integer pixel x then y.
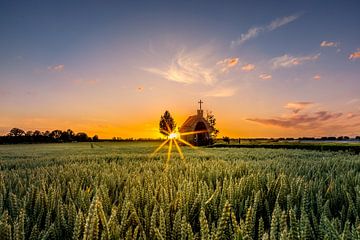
{"type": "Point", "coordinates": [210, 118]}
{"type": "Point", "coordinates": [167, 123]}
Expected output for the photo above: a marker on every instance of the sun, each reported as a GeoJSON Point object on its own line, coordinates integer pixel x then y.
{"type": "Point", "coordinates": [174, 135]}
{"type": "Point", "coordinates": [173, 138]}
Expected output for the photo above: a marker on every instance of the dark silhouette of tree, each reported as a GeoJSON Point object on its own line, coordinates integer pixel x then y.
{"type": "Point", "coordinates": [67, 136]}
{"type": "Point", "coordinates": [95, 138]}
{"type": "Point", "coordinates": [70, 134]}
{"type": "Point", "coordinates": [16, 132]}
{"type": "Point", "coordinates": [46, 133]}
{"type": "Point", "coordinates": [210, 118]}
{"type": "Point", "coordinates": [81, 137]}
{"type": "Point", "coordinates": [37, 133]}
{"type": "Point", "coordinates": [17, 135]}
{"type": "Point", "coordinates": [167, 123]}
{"type": "Point", "coordinates": [56, 135]}
{"type": "Point", "coordinates": [29, 133]}
{"type": "Point", "coordinates": [226, 139]}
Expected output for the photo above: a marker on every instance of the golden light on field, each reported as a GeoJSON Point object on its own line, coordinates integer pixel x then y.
{"type": "Point", "coordinates": [173, 138]}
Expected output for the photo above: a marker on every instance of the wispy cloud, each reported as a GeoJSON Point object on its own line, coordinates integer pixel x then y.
{"type": "Point", "coordinates": [265, 76]}
{"type": "Point", "coordinates": [221, 92]}
{"type": "Point", "coordinates": [317, 77]}
{"type": "Point", "coordinates": [248, 67]}
{"type": "Point", "coordinates": [286, 60]}
{"type": "Point", "coordinates": [353, 101]}
{"type": "Point", "coordinates": [200, 67]}
{"type": "Point", "coordinates": [298, 106]}
{"type": "Point", "coordinates": [300, 121]}
{"type": "Point", "coordinates": [255, 31]}
{"type": "Point", "coordinates": [81, 81]}
{"type": "Point", "coordinates": [352, 115]}
{"type": "Point", "coordinates": [328, 44]}
{"type": "Point", "coordinates": [56, 68]}
{"type": "Point", "coordinates": [355, 55]}
{"type": "Point", "coordinates": [281, 22]}
{"type": "Point", "coordinates": [227, 63]}
{"type": "Point", "coordinates": [251, 33]}
{"type": "Point", "coordinates": [187, 69]}
{"type": "Point", "coordinates": [196, 67]}
{"type": "Point", "coordinates": [321, 121]}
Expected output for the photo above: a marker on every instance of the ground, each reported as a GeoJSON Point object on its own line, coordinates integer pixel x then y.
{"type": "Point", "coordinates": [117, 191]}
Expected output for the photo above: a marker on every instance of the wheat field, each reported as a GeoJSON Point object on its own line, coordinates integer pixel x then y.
{"type": "Point", "coordinates": [117, 191]}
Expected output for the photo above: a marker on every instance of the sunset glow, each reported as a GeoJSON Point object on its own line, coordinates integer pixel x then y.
{"type": "Point", "coordinates": [265, 70]}
{"type": "Point", "coordinates": [174, 135]}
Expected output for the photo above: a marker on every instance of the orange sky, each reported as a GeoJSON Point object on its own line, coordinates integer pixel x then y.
{"type": "Point", "coordinates": [112, 69]}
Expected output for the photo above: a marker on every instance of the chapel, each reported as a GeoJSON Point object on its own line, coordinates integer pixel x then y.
{"type": "Point", "coordinates": [198, 126]}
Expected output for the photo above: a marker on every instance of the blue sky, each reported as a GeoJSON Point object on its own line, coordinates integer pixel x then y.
{"type": "Point", "coordinates": [265, 68]}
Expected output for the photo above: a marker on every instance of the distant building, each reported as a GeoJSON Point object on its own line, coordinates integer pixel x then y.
{"type": "Point", "coordinates": [198, 129]}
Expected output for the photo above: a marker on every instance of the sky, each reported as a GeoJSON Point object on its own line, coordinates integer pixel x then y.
{"type": "Point", "coordinates": [263, 68]}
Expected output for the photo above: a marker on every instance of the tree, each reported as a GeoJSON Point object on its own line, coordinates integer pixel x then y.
{"type": "Point", "coordinates": [16, 132]}
{"type": "Point", "coordinates": [56, 134]}
{"type": "Point", "coordinates": [210, 118]}
{"type": "Point", "coordinates": [46, 133]}
{"type": "Point", "coordinates": [29, 133]}
{"type": "Point", "coordinates": [95, 138]}
{"type": "Point", "coordinates": [37, 133]}
{"type": "Point", "coordinates": [226, 139]}
{"type": "Point", "coordinates": [67, 136]}
{"type": "Point", "coordinates": [81, 137]}
{"type": "Point", "coordinates": [167, 123]}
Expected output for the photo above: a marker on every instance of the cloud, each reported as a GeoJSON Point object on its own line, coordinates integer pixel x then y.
{"type": "Point", "coordinates": [265, 76]}
{"type": "Point", "coordinates": [301, 121]}
{"type": "Point", "coordinates": [328, 44]}
{"type": "Point", "coordinates": [200, 67]}
{"type": "Point", "coordinates": [81, 81]}
{"type": "Point", "coordinates": [317, 77]}
{"type": "Point", "coordinates": [281, 21]}
{"type": "Point", "coordinates": [248, 67]}
{"type": "Point", "coordinates": [286, 60]}
{"type": "Point", "coordinates": [355, 55]}
{"type": "Point", "coordinates": [186, 68]}
{"type": "Point", "coordinates": [56, 68]}
{"type": "Point", "coordinates": [353, 101]}
{"type": "Point", "coordinates": [255, 31]}
{"type": "Point", "coordinates": [251, 33]}
{"type": "Point", "coordinates": [351, 115]}
{"type": "Point", "coordinates": [227, 63]}
{"type": "Point", "coordinates": [298, 106]}
{"type": "Point", "coordinates": [221, 92]}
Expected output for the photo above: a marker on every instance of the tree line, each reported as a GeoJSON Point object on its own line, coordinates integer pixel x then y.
{"type": "Point", "coordinates": [17, 135]}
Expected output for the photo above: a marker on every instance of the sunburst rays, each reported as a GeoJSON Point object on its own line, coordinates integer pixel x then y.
{"type": "Point", "coordinates": [174, 138]}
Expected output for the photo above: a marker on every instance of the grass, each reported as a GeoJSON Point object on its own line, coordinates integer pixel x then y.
{"type": "Point", "coordinates": [353, 147]}
{"type": "Point", "coordinates": [116, 191]}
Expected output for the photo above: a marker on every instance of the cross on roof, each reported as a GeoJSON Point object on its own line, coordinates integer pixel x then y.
{"type": "Point", "coordinates": [200, 102]}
